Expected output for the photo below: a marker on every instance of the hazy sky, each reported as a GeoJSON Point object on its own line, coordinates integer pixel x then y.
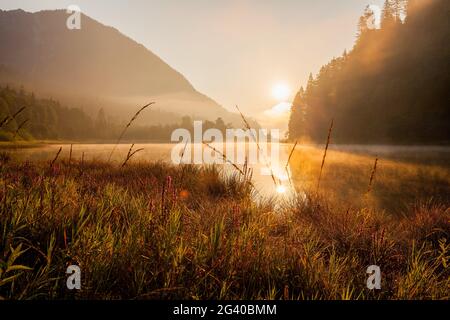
{"type": "Point", "coordinates": [234, 51]}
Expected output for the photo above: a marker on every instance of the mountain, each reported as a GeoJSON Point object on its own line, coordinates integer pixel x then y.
{"type": "Point", "coordinates": [392, 87]}
{"type": "Point", "coordinates": [96, 67]}
{"type": "Point", "coordinates": [27, 117]}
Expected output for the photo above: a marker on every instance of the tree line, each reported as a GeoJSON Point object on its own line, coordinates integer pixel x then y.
{"type": "Point", "coordinates": [23, 116]}
{"type": "Point", "coordinates": [392, 87]}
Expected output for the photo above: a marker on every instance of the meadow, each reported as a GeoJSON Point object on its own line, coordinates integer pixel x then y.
{"type": "Point", "coordinates": [150, 230]}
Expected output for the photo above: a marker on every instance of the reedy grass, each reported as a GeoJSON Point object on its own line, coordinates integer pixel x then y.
{"type": "Point", "coordinates": [52, 163]}
{"type": "Point", "coordinates": [372, 175]}
{"type": "Point", "coordinates": [19, 128]}
{"type": "Point", "coordinates": [10, 118]}
{"type": "Point", "coordinates": [325, 154]}
{"type": "Point", "coordinates": [399, 185]}
{"type": "Point", "coordinates": [286, 167]}
{"type": "Point", "coordinates": [245, 173]}
{"type": "Point", "coordinates": [156, 231]}
{"type": "Point", "coordinates": [266, 161]}
{"type": "Point", "coordinates": [130, 154]}
{"type": "Point", "coordinates": [70, 154]}
{"type": "Point", "coordinates": [127, 126]}
{"type": "Point", "coordinates": [4, 121]}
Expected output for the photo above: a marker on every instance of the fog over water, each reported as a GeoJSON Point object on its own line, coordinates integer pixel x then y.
{"type": "Point", "coordinates": [439, 155]}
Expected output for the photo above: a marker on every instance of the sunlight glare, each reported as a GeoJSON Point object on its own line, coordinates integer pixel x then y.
{"type": "Point", "coordinates": [281, 92]}
{"type": "Point", "coordinates": [281, 189]}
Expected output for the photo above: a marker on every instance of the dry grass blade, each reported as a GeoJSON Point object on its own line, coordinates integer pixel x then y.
{"type": "Point", "coordinates": [286, 292]}
{"type": "Point", "coordinates": [248, 172]}
{"type": "Point", "coordinates": [291, 153]}
{"type": "Point", "coordinates": [224, 157]}
{"type": "Point", "coordinates": [325, 153]}
{"type": "Point", "coordinates": [372, 175]}
{"type": "Point", "coordinates": [129, 150]}
{"type": "Point", "coordinates": [70, 154]}
{"type": "Point", "coordinates": [286, 168]}
{"type": "Point", "coordinates": [56, 157]}
{"type": "Point", "coordinates": [8, 119]}
{"type": "Point", "coordinates": [5, 121]}
{"type": "Point", "coordinates": [19, 128]}
{"type": "Point", "coordinates": [136, 151]}
{"type": "Point", "coordinates": [130, 154]}
{"type": "Point", "coordinates": [247, 126]}
{"type": "Point", "coordinates": [127, 126]}
{"type": "Point", "coordinates": [18, 112]}
{"type": "Point", "coordinates": [184, 151]}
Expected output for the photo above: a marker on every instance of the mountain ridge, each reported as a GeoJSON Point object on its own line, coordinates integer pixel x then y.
{"type": "Point", "coordinates": [95, 65]}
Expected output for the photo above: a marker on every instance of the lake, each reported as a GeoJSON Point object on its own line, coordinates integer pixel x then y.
{"type": "Point", "coordinates": [435, 155]}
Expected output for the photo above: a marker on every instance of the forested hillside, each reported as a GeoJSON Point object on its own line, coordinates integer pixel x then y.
{"type": "Point", "coordinates": [23, 116]}
{"type": "Point", "coordinates": [96, 65]}
{"type": "Point", "coordinates": [392, 87]}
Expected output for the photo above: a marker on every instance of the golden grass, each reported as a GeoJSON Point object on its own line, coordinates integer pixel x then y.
{"type": "Point", "coordinates": [398, 184]}
{"type": "Point", "coordinates": [155, 231]}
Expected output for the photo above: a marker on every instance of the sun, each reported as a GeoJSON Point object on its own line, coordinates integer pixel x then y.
{"type": "Point", "coordinates": [281, 92]}
{"type": "Point", "coordinates": [281, 189]}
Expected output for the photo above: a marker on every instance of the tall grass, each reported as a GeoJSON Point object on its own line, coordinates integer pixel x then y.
{"type": "Point", "coordinates": [256, 141]}
{"type": "Point", "coordinates": [52, 163]}
{"type": "Point", "coordinates": [130, 154]}
{"type": "Point", "coordinates": [286, 167]}
{"type": "Point", "coordinates": [156, 231]}
{"type": "Point", "coordinates": [127, 126]}
{"type": "Point", "coordinates": [21, 125]}
{"type": "Point", "coordinates": [70, 154]}
{"type": "Point", "coordinates": [325, 154]}
{"type": "Point", "coordinates": [372, 175]}
{"type": "Point", "coordinates": [10, 118]}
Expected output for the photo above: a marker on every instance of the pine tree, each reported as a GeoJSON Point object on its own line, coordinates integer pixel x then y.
{"type": "Point", "coordinates": [296, 124]}
{"type": "Point", "coordinates": [399, 7]}
{"type": "Point", "coordinates": [100, 121]}
{"type": "Point", "coordinates": [366, 21]}
{"type": "Point", "coordinates": [101, 124]}
{"type": "Point", "coordinates": [362, 27]}
{"type": "Point", "coordinates": [310, 84]}
{"type": "Point", "coordinates": [388, 14]}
